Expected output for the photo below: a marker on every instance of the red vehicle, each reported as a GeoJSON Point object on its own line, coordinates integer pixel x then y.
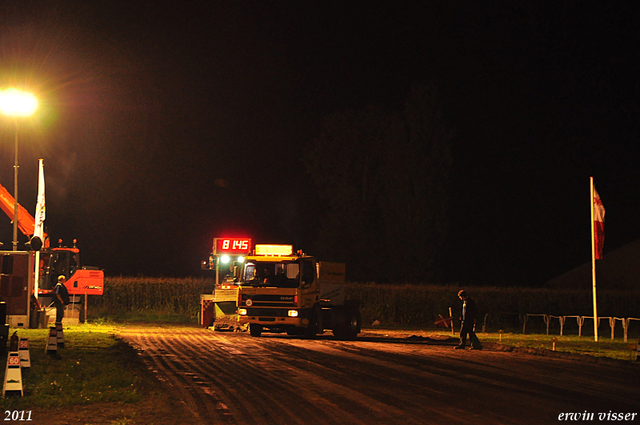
{"type": "Point", "coordinates": [55, 261]}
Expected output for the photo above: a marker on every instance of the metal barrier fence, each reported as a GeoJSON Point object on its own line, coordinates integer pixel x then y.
{"type": "Point", "coordinates": [502, 320]}
{"type": "Point", "coordinates": [580, 320]}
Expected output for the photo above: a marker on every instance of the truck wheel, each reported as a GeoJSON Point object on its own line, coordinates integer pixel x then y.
{"type": "Point", "coordinates": [350, 327]}
{"type": "Point", "coordinates": [255, 330]}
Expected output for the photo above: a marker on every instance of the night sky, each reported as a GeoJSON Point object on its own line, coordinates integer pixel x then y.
{"type": "Point", "coordinates": [165, 124]}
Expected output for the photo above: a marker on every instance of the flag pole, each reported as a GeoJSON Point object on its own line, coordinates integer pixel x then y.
{"type": "Point", "coordinates": [593, 267]}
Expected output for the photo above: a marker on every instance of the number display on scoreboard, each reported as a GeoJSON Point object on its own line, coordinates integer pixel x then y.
{"type": "Point", "coordinates": [231, 246]}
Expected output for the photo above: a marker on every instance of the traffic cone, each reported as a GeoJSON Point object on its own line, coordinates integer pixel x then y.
{"type": "Point", "coordinates": [23, 351]}
{"type": "Point", "coordinates": [12, 375]}
{"type": "Point", "coordinates": [60, 334]}
{"type": "Point", "coordinates": [52, 345]}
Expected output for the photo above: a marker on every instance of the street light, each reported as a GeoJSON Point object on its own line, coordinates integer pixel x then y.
{"type": "Point", "coordinates": [16, 103]}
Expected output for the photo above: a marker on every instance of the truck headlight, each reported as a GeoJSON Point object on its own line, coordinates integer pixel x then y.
{"type": "Point", "coordinates": [292, 313]}
{"type": "Point", "coordinates": [242, 311]}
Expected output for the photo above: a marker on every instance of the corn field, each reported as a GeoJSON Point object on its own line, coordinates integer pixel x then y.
{"type": "Point", "coordinates": [161, 295]}
{"type": "Point", "coordinates": [421, 305]}
{"type": "Point", "coordinates": [403, 305]}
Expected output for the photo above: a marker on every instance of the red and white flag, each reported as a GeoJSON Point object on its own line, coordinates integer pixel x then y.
{"type": "Point", "coordinates": [598, 224]}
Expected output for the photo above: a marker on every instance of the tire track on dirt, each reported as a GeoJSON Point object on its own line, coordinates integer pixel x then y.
{"type": "Point", "coordinates": [205, 404]}
{"type": "Point", "coordinates": [270, 363]}
{"type": "Point", "coordinates": [215, 373]}
{"type": "Point", "coordinates": [333, 401]}
{"type": "Point", "coordinates": [236, 379]}
{"type": "Point", "coordinates": [381, 389]}
{"type": "Point", "coordinates": [278, 391]}
{"type": "Point", "coordinates": [518, 377]}
{"type": "Point", "coordinates": [180, 347]}
{"type": "Point", "coordinates": [288, 407]}
{"type": "Point", "coordinates": [534, 382]}
{"type": "Point", "coordinates": [230, 370]}
{"type": "Point", "coordinates": [397, 380]}
{"type": "Point", "coordinates": [205, 364]}
{"type": "Point", "coordinates": [154, 355]}
{"type": "Point", "coordinates": [335, 398]}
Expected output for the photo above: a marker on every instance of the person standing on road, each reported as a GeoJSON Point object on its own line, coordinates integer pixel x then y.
{"type": "Point", "coordinates": [468, 318]}
{"type": "Point", "coordinates": [60, 298]}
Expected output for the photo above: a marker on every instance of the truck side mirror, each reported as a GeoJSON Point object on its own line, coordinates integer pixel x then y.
{"type": "Point", "coordinates": [209, 264]}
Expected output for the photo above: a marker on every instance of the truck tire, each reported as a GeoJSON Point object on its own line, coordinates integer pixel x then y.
{"type": "Point", "coordinates": [350, 325]}
{"type": "Point", "coordinates": [255, 330]}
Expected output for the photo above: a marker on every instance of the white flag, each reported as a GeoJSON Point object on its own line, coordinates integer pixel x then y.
{"type": "Point", "coordinates": [41, 210]}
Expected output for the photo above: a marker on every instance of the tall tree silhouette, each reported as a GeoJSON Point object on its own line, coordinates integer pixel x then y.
{"type": "Point", "coordinates": [414, 199]}
{"type": "Point", "coordinates": [385, 178]}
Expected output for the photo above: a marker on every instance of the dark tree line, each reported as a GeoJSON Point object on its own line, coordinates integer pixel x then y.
{"type": "Point", "coordinates": [385, 178]}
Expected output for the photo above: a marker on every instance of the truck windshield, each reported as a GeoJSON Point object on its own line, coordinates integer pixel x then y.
{"type": "Point", "coordinates": [280, 275]}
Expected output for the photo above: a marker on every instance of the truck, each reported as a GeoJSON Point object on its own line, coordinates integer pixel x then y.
{"type": "Point", "coordinates": [283, 291]}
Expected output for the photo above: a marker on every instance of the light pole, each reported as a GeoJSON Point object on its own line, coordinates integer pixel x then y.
{"type": "Point", "coordinates": [16, 103]}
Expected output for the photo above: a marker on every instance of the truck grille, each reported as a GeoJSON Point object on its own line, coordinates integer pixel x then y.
{"type": "Point", "coordinates": [270, 300]}
{"type": "Point", "coordinates": [268, 312]}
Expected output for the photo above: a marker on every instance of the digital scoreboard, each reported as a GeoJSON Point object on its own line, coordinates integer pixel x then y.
{"type": "Point", "coordinates": [231, 246]}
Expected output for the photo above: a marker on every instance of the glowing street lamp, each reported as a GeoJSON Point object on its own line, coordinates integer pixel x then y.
{"type": "Point", "coordinates": [16, 103]}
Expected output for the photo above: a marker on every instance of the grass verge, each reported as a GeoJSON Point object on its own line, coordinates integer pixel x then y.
{"type": "Point", "coordinates": [94, 366]}
{"type": "Point", "coordinates": [614, 349]}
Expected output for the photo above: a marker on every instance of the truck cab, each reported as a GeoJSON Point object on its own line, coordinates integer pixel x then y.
{"type": "Point", "coordinates": [280, 291]}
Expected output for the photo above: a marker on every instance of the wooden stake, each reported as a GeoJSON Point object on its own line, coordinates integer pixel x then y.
{"type": "Point", "coordinates": [453, 332]}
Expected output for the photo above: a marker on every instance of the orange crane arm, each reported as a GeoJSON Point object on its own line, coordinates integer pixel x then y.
{"type": "Point", "coordinates": [26, 222]}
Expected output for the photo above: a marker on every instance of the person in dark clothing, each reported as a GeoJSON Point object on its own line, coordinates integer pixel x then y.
{"type": "Point", "coordinates": [468, 318]}
{"type": "Point", "coordinates": [60, 298]}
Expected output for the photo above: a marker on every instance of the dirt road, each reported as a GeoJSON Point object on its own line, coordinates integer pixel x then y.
{"type": "Point", "coordinates": [232, 378]}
